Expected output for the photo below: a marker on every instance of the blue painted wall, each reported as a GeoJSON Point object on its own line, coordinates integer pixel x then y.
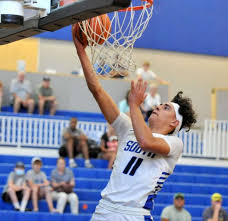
{"type": "Point", "coordinates": [193, 26]}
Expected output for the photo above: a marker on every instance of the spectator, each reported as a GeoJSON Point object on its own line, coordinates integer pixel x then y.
{"type": "Point", "coordinates": [146, 74]}
{"type": "Point", "coordinates": [1, 94]}
{"type": "Point", "coordinates": [62, 181]}
{"type": "Point", "coordinates": [46, 97]}
{"type": "Point", "coordinates": [176, 212]}
{"type": "Point", "coordinates": [20, 89]}
{"type": "Point", "coordinates": [74, 142]}
{"type": "Point", "coordinates": [16, 189]}
{"type": "Point", "coordinates": [152, 99]}
{"type": "Point", "coordinates": [109, 146]}
{"type": "Point", "coordinates": [123, 105]}
{"type": "Point", "coordinates": [215, 212]}
{"type": "Point", "coordinates": [37, 181]}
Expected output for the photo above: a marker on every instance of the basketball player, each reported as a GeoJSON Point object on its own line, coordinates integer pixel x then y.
{"type": "Point", "coordinates": [146, 155]}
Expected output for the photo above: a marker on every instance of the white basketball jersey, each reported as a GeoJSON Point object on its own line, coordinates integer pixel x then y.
{"type": "Point", "coordinates": [137, 175]}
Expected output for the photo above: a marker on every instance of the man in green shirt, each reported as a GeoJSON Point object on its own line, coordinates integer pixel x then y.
{"type": "Point", "coordinates": [46, 98]}
{"type": "Point", "coordinates": [176, 212]}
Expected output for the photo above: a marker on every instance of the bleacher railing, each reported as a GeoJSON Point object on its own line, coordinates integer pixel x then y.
{"type": "Point", "coordinates": [47, 133]}
{"type": "Point", "coordinates": [193, 145]}
{"type": "Point", "coordinates": [216, 139]}
{"type": "Point", "coordinates": [39, 132]}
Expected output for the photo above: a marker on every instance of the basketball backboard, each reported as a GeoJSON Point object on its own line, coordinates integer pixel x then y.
{"type": "Point", "coordinates": [69, 14]}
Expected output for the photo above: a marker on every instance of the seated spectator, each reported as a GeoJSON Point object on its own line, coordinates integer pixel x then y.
{"type": "Point", "coordinates": [215, 212]}
{"type": "Point", "coordinates": [109, 145]}
{"type": "Point", "coordinates": [74, 142]}
{"type": "Point", "coordinates": [176, 212]}
{"type": "Point", "coordinates": [37, 181]}
{"type": "Point", "coordinates": [1, 94]}
{"type": "Point", "coordinates": [123, 105]}
{"type": "Point", "coordinates": [46, 98]}
{"type": "Point", "coordinates": [16, 189]}
{"type": "Point", "coordinates": [62, 181]}
{"type": "Point", "coordinates": [21, 91]}
{"type": "Point", "coordinates": [152, 99]}
{"type": "Point", "coordinates": [146, 74]}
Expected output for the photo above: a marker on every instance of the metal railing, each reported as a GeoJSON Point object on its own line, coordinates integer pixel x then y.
{"type": "Point", "coordinates": [41, 132]}
{"type": "Point", "coordinates": [216, 139]}
{"type": "Point", "coordinates": [193, 145]}
{"type": "Point", "coordinates": [38, 132]}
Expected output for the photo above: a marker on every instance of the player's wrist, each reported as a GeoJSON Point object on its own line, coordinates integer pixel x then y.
{"type": "Point", "coordinates": [133, 105]}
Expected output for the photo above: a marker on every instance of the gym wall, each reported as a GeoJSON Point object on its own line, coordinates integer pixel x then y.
{"type": "Point", "coordinates": [72, 92]}
{"type": "Point", "coordinates": [195, 74]}
{"type": "Point", "coordinates": [192, 26]}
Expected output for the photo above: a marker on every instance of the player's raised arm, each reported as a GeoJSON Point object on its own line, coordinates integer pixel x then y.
{"type": "Point", "coordinates": [142, 132]}
{"type": "Point", "coordinates": [105, 102]}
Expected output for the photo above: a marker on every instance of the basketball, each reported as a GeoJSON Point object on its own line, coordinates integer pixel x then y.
{"type": "Point", "coordinates": [98, 30]}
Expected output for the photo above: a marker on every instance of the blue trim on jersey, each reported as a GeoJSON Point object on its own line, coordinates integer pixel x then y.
{"type": "Point", "coordinates": [162, 178]}
{"type": "Point", "coordinates": [148, 218]}
{"type": "Point", "coordinates": [149, 202]}
{"type": "Point", "coordinates": [164, 173]}
{"type": "Point", "coordinates": [160, 182]}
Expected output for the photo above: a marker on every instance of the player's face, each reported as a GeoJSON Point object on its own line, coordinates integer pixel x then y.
{"type": "Point", "coordinates": [179, 203]}
{"type": "Point", "coordinates": [163, 116]}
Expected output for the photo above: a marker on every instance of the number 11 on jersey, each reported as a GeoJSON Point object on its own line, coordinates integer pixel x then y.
{"type": "Point", "coordinates": [137, 162]}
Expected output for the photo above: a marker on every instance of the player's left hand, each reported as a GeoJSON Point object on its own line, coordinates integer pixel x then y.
{"type": "Point", "coordinates": [77, 44]}
{"type": "Point", "coordinates": [138, 92]}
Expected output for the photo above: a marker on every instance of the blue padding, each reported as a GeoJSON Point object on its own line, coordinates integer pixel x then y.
{"type": "Point", "coordinates": [197, 26]}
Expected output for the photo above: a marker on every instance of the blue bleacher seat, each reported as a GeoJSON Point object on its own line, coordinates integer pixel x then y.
{"type": "Point", "coordinates": [196, 182]}
{"type": "Point", "coordinates": [65, 114]}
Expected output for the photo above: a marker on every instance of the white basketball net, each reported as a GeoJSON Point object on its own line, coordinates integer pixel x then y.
{"type": "Point", "coordinates": [114, 56]}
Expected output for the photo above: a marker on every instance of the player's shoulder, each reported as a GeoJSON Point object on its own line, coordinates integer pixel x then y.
{"type": "Point", "coordinates": [170, 138]}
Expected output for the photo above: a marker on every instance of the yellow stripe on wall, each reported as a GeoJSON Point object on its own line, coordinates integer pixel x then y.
{"type": "Point", "coordinates": [26, 49]}
{"type": "Point", "coordinates": [213, 103]}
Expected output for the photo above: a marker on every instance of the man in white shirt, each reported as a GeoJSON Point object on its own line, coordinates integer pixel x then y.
{"type": "Point", "coordinates": [21, 91]}
{"type": "Point", "coordinates": [146, 155]}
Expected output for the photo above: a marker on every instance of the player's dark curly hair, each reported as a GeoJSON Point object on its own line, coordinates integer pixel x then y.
{"type": "Point", "coordinates": [186, 110]}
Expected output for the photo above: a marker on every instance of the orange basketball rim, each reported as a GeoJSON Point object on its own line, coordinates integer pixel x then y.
{"type": "Point", "coordinates": [139, 7]}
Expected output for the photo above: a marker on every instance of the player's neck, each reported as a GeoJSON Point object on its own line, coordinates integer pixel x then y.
{"type": "Point", "coordinates": [157, 130]}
